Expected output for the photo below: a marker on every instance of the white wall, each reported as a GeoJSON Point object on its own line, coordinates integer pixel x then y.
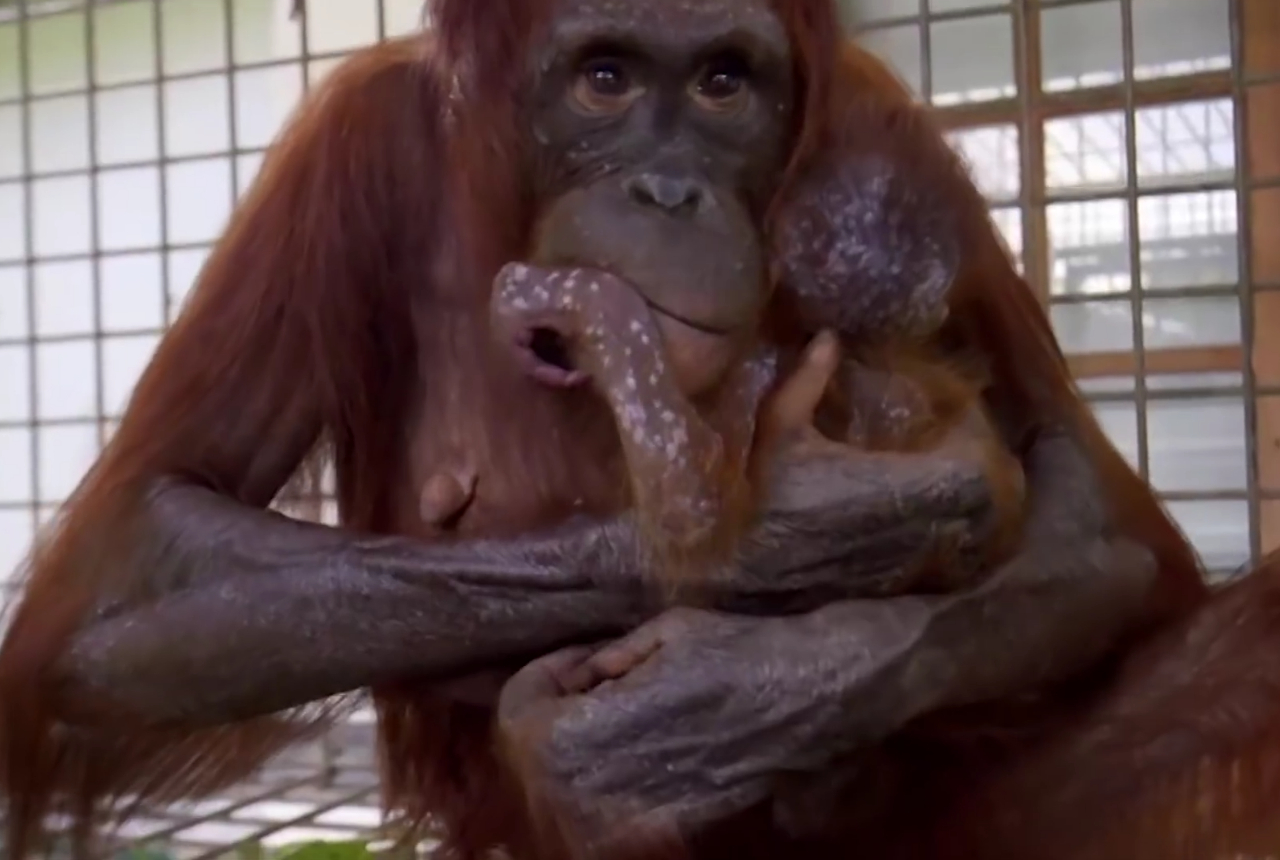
{"type": "Point", "coordinates": [153, 222]}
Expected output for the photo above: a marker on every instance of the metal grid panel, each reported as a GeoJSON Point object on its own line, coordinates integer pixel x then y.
{"type": "Point", "coordinates": [1112, 139]}
{"type": "Point", "coordinates": [129, 127]}
{"type": "Point", "coordinates": [127, 131]}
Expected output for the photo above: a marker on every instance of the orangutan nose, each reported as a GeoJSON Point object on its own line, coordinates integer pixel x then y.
{"type": "Point", "coordinates": [672, 194]}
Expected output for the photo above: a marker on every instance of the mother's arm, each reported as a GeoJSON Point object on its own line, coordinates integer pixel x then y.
{"type": "Point", "coordinates": [694, 715]}
{"type": "Point", "coordinates": [249, 612]}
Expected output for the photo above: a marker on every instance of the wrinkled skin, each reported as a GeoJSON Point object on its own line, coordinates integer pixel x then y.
{"type": "Point", "coordinates": [709, 705]}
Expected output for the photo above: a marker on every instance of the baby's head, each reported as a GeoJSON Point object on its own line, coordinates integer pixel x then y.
{"type": "Point", "coordinates": [869, 240]}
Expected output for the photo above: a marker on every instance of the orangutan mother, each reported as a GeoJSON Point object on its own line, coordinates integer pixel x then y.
{"type": "Point", "coordinates": [345, 312]}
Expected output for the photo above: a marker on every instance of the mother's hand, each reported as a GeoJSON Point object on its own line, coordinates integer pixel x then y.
{"type": "Point", "coordinates": [692, 716]}
{"type": "Point", "coordinates": [843, 523]}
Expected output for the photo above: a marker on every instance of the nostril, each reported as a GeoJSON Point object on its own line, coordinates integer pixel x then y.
{"type": "Point", "coordinates": [669, 193]}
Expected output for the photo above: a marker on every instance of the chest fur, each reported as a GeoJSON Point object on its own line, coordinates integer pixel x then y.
{"type": "Point", "coordinates": [535, 457]}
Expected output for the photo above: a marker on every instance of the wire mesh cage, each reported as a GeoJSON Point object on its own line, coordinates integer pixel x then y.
{"type": "Point", "coordinates": [1127, 148]}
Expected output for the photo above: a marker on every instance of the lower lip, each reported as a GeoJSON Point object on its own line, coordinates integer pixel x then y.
{"type": "Point", "coordinates": [557, 377]}
{"type": "Point", "coordinates": [710, 331]}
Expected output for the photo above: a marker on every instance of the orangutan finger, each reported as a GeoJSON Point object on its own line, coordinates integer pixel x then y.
{"type": "Point", "coordinates": [542, 680]}
{"type": "Point", "coordinates": [792, 406]}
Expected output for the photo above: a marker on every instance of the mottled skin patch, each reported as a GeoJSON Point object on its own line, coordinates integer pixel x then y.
{"type": "Point", "coordinates": [688, 465]}
{"type": "Point", "coordinates": [870, 242]}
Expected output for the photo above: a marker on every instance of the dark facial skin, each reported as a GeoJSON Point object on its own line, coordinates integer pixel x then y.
{"type": "Point", "coordinates": [653, 137]}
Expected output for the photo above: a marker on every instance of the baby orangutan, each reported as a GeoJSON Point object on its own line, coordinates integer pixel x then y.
{"type": "Point", "coordinates": [863, 248]}
{"type": "Point", "coordinates": [698, 467]}
{"type": "Point", "coordinates": [694, 464]}
{"type": "Point", "coordinates": [867, 252]}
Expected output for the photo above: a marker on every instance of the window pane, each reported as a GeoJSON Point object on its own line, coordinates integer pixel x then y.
{"type": "Point", "coordinates": [1195, 381]}
{"type": "Point", "coordinates": [261, 32]}
{"type": "Point", "coordinates": [1008, 221]}
{"type": "Point", "coordinates": [60, 133]}
{"type": "Point", "coordinates": [993, 158]}
{"type": "Point", "coordinates": [400, 17]}
{"type": "Point", "coordinates": [13, 301]}
{"type": "Point", "coordinates": [123, 360]}
{"type": "Point", "coordinates": [124, 48]}
{"type": "Point", "coordinates": [1097, 385]}
{"type": "Point", "coordinates": [1189, 240]}
{"type": "Point", "coordinates": [64, 298]}
{"type": "Point", "coordinates": [1080, 46]}
{"type": "Point", "coordinates": [15, 536]}
{"type": "Point", "coordinates": [1186, 142]}
{"type": "Point", "coordinates": [1180, 37]}
{"type": "Point", "coordinates": [1219, 530]}
{"type": "Point", "coordinates": [15, 466]}
{"type": "Point", "coordinates": [66, 453]}
{"type": "Point", "coordinates": [960, 5]}
{"type": "Point", "coordinates": [13, 229]}
{"type": "Point", "coordinates": [857, 12]}
{"type": "Point", "coordinates": [15, 384]}
{"type": "Point", "coordinates": [1086, 153]}
{"type": "Point", "coordinates": [184, 267]}
{"type": "Point", "coordinates": [961, 74]}
{"type": "Point", "coordinates": [1190, 322]}
{"type": "Point", "coordinates": [900, 48]}
{"type": "Point", "coordinates": [197, 116]}
{"type": "Point", "coordinates": [132, 292]}
{"type": "Point", "coordinates": [1096, 326]}
{"type": "Point", "coordinates": [193, 35]}
{"type": "Point", "coordinates": [200, 194]}
{"type": "Point", "coordinates": [57, 56]}
{"type": "Point", "coordinates": [66, 380]}
{"type": "Point", "coordinates": [342, 26]}
{"type": "Point", "coordinates": [1088, 247]}
{"type": "Point", "coordinates": [264, 98]}
{"type": "Point", "coordinates": [1197, 445]}
{"type": "Point", "coordinates": [129, 208]}
{"type": "Point", "coordinates": [12, 139]}
{"type": "Point", "coordinates": [1120, 422]}
{"type": "Point", "coordinates": [247, 167]}
{"type": "Point", "coordinates": [61, 221]}
{"type": "Point", "coordinates": [10, 63]}
{"type": "Point", "coordinates": [1107, 325]}
{"type": "Point", "coordinates": [127, 125]}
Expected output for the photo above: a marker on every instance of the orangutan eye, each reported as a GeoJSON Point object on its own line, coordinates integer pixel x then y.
{"type": "Point", "coordinates": [604, 86]}
{"type": "Point", "coordinates": [607, 78]}
{"type": "Point", "coordinates": [723, 84]}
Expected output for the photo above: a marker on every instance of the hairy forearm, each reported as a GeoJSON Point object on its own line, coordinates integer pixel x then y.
{"type": "Point", "coordinates": [1037, 622]}
{"type": "Point", "coordinates": [1061, 603]}
{"type": "Point", "coordinates": [857, 525]}
{"type": "Point", "coordinates": [247, 612]}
